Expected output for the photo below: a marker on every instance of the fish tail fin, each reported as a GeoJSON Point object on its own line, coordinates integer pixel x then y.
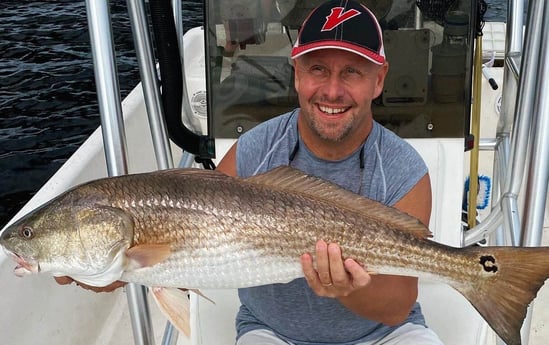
{"type": "Point", "coordinates": [510, 280]}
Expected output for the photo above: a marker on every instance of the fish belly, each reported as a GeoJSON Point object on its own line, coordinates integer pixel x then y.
{"type": "Point", "coordinates": [236, 268]}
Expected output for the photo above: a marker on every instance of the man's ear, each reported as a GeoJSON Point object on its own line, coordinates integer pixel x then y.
{"type": "Point", "coordinates": [380, 80]}
{"type": "Point", "coordinates": [296, 77]}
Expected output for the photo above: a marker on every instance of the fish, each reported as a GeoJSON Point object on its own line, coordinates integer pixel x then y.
{"type": "Point", "coordinates": [201, 229]}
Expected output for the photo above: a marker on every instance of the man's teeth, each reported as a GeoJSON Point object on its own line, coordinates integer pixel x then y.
{"type": "Point", "coordinates": [331, 110]}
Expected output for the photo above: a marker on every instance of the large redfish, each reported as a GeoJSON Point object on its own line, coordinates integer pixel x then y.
{"type": "Point", "coordinates": [202, 229]}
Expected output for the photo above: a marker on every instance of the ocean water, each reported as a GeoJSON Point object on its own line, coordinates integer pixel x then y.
{"type": "Point", "coordinates": [48, 104]}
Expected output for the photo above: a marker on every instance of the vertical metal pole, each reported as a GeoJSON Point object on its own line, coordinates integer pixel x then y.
{"type": "Point", "coordinates": [418, 19]}
{"type": "Point", "coordinates": [523, 117]}
{"type": "Point", "coordinates": [108, 93]}
{"type": "Point", "coordinates": [140, 314]}
{"type": "Point", "coordinates": [521, 125]}
{"type": "Point", "coordinates": [538, 173]}
{"type": "Point", "coordinates": [501, 163]}
{"type": "Point", "coordinates": [153, 99]}
{"type": "Point", "coordinates": [113, 137]}
{"type": "Point", "coordinates": [153, 103]}
{"type": "Point", "coordinates": [170, 334]}
{"type": "Point", "coordinates": [177, 15]}
{"type": "Point", "coordinates": [149, 82]}
{"type": "Point", "coordinates": [515, 26]}
{"type": "Point", "coordinates": [513, 44]}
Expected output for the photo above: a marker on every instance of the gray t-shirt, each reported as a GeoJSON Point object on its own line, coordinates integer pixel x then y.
{"type": "Point", "coordinates": [385, 168]}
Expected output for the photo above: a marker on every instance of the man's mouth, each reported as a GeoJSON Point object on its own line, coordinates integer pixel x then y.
{"type": "Point", "coordinates": [332, 111]}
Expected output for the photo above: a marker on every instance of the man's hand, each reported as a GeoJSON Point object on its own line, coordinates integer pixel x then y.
{"type": "Point", "coordinates": [333, 276]}
{"type": "Point", "coordinates": [65, 280]}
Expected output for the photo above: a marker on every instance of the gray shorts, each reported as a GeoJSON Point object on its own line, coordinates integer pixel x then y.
{"type": "Point", "coordinates": [407, 334]}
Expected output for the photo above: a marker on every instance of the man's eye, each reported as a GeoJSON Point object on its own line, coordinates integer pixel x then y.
{"type": "Point", "coordinates": [351, 70]}
{"type": "Point", "coordinates": [317, 69]}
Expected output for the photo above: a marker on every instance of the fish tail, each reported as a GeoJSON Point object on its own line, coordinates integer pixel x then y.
{"type": "Point", "coordinates": [510, 279]}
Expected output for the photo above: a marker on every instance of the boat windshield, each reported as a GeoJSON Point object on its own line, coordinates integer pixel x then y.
{"type": "Point", "coordinates": [427, 90]}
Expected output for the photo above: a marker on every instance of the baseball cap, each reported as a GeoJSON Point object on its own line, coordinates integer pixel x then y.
{"type": "Point", "coordinates": [341, 24]}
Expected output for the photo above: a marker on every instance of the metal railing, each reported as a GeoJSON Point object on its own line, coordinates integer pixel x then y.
{"type": "Point", "coordinates": [112, 125]}
{"type": "Point", "coordinates": [522, 132]}
{"type": "Point", "coordinates": [114, 140]}
{"type": "Point", "coordinates": [514, 143]}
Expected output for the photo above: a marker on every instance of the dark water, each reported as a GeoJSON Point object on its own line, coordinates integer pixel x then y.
{"type": "Point", "coordinates": [48, 103]}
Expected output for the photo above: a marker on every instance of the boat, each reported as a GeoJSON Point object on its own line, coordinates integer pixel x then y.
{"type": "Point", "coordinates": [236, 74]}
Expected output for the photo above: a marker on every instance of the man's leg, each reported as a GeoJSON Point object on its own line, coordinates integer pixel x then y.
{"type": "Point", "coordinates": [260, 337]}
{"type": "Point", "coordinates": [410, 334]}
{"type": "Point", "coordinates": [407, 334]}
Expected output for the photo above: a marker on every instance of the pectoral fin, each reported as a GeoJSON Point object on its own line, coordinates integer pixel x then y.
{"type": "Point", "coordinates": [146, 255]}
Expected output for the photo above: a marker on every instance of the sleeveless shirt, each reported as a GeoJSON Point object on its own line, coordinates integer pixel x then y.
{"type": "Point", "coordinates": [388, 169]}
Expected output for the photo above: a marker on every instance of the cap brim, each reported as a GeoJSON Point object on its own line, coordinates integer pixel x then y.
{"type": "Point", "coordinates": [377, 59]}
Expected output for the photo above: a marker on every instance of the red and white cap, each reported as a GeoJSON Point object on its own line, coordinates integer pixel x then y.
{"type": "Point", "coordinates": [341, 24]}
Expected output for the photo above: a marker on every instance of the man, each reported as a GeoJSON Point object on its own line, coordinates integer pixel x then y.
{"type": "Point", "coordinates": [340, 68]}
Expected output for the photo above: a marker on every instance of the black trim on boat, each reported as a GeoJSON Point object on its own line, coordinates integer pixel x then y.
{"type": "Point", "coordinates": [167, 50]}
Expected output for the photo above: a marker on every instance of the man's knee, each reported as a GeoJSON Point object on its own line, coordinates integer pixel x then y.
{"type": "Point", "coordinates": [260, 337]}
{"type": "Point", "coordinates": [411, 334]}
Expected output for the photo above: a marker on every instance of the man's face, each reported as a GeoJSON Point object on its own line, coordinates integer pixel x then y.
{"type": "Point", "coordinates": [335, 90]}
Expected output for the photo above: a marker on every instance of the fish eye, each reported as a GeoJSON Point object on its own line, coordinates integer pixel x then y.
{"type": "Point", "coordinates": [26, 232]}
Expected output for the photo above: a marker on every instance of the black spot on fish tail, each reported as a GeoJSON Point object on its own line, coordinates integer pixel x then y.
{"type": "Point", "coordinates": [488, 262]}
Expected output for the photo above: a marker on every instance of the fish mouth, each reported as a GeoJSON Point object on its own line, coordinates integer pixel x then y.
{"type": "Point", "coordinates": [24, 266]}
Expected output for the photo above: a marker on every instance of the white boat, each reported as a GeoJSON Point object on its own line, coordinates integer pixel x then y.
{"type": "Point", "coordinates": [35, 310]}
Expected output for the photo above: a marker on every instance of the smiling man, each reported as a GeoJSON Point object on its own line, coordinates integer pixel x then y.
{"type": "Point", "coordinates": [340, 68]}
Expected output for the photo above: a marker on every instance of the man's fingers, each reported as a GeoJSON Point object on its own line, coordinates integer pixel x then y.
{"type": "Point", "coordinates": [359, 275]}
{"type": "Point", "coordinates": [308, 270]}
{"type": "Point", "coordinates": [323, 267]}
{"type": "Point", "coordinates": [339, 275]}
{"type": "Point", "coordinates": [332, 276]}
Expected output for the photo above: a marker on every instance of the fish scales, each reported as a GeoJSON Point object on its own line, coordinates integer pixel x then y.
{"type": "Point", "coordinates": [225, 232]}
{"type": "Point", "coordinates": [232, 221]}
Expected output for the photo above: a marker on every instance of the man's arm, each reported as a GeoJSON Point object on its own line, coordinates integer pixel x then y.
{"type": "Point", "coordinates": [228, 163]}
{"type": "Point", "coordinates": [65, 280]}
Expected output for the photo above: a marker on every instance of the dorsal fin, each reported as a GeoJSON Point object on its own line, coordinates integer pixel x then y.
{"type": "Point", "coordinates": [292, 180]}
{"type": "Point", "coordinates": [203, 173]}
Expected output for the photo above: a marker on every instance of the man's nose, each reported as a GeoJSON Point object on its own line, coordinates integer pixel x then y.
{"type": "Point", "coordinates": [334, 88]}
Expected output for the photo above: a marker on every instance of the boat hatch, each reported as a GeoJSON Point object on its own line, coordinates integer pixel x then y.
{"type": "Point", "coordinates": [429, 49]}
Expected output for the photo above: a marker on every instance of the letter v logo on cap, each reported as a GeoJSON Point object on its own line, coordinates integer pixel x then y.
{"type": "Point", "coordinates": [337, 17]}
